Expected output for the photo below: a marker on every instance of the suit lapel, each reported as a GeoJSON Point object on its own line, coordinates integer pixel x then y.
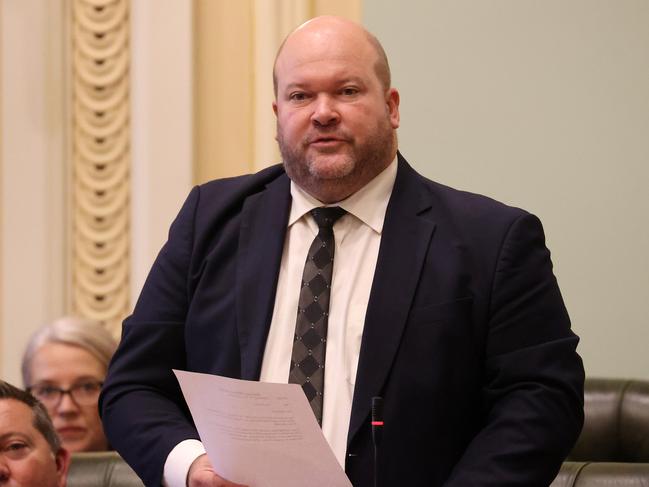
{"type": "Point", "coordinates": [261, 240]}
{"type": "Point", "coordinates": [404, 243]}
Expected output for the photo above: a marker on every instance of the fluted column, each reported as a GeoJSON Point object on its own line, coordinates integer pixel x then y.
{"type": "Point", "coordinates": [101, 160]}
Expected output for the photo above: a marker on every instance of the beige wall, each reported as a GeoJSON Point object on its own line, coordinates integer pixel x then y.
{"type": "Point", "coordinates": [235, 45]}
{"type": "Point", "coordinates": [161, 125]}
{"type": "Point", "coordinates": [1, 185]}
{"type": "Point", "coordinates": [34, 176]}
{"type": "Point", "coordinates": [544, 105]}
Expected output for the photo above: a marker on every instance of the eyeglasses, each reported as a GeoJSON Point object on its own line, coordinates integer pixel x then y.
{"type": "Point", "coordinates": [84, 393]}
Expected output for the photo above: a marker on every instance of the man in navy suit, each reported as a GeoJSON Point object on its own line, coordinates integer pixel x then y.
{"type": "Point", "coordinates": [442, 302]}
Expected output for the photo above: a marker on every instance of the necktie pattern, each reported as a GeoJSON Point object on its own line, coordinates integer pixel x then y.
{"type": "Point", "coordinates": [310, 340]}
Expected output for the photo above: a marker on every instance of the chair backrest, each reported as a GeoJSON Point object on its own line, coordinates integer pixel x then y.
{"type": "Point", "coordinates": [602, 474]}
{"type": "Point", "coordinates": [616, 426]}
{"type": "Point", "coordinates": [101, 469]}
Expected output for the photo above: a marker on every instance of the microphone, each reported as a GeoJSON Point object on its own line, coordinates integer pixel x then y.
{"type": "Point", "coordinates": [377, 432]}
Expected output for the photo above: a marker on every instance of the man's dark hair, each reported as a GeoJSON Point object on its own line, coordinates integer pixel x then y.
{"type": "Point", "coordinates": [41, 420]}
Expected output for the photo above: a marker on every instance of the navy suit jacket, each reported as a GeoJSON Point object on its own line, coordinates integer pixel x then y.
{"type": "Point", "coordinates": [466, 335]}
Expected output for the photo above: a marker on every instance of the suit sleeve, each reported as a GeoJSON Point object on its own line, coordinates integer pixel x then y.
{"type": "Point", "coordinates": [142, 408]}
{"type": "Point", "coordinates": [533, 383]}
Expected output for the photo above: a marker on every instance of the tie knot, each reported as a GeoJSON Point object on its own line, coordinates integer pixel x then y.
{"type": "Point", "coordinates": [326, 216]}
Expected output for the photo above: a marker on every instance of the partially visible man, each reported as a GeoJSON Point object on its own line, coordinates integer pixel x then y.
{"type": "Point", "coordinates": [30, 451]}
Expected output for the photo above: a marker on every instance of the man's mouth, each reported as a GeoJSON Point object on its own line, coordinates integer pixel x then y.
{"type": "Point", "coordinates": [326, 141]}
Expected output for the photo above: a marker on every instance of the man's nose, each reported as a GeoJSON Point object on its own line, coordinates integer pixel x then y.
{"type": "Point", "coordinates": [325, 112]}
{"type": "Point", "coordinates": [4, 470]}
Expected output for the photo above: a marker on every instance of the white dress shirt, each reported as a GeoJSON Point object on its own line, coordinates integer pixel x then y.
{"type": "Point", "coordinates": [357, 238]}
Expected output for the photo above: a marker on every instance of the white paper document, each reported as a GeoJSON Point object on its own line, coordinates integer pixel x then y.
{"type": "Point", "coordinates": [260, 434]}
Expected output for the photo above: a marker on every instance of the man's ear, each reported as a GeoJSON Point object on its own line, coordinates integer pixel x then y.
{"type": "Point", "coordinates": [275, 112]}
{"type": "Point", "coordinates": [62, 459]}
{"type": "Point", "coordinates": [392, 99]}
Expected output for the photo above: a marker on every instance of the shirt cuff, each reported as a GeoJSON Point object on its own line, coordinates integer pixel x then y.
{"type": "Point", "coordinates": [178, 462]}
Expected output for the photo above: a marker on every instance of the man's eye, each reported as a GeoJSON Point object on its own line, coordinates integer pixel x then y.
{"type": "Point", "coordinates": [15, 449]}
{"type": "Point", "coordinates": [349, 91]}
{"type": "Point", "coordinates": [299, 96]}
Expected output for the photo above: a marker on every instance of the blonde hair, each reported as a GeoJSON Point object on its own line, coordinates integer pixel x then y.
{"type": "Point", "coordinates": [87, 334]}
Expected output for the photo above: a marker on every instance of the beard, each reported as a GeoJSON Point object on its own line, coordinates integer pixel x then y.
{"type": "Point", "coordinates": [334, 174]}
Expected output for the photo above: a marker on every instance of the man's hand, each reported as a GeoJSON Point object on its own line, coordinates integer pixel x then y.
{"type": "Point", "coordinates": [202, 474]}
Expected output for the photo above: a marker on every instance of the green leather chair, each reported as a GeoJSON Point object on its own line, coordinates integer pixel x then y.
{"type": "Point", "coordinates": [613, 448]}
{"type": "Point", "coordinates": [101, 469]}
{"type": "Point", "coordinates": [602, 474]}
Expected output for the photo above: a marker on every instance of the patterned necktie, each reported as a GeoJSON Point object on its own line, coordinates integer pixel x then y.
{"type": "Point", "coordinates": [309, 343]}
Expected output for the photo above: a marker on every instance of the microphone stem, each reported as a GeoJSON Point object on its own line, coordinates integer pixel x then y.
{"type": "Point", "coordinates": [376, 465]}
{"type": "Point", "coordinates": [377, 430]}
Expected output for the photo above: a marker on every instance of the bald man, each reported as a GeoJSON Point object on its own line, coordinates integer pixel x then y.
{"type": "Point", "coordinates": [441, 302]}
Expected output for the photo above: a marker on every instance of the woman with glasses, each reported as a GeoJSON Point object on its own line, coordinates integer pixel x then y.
{"type": "Point", "coordinates": [64, 366]}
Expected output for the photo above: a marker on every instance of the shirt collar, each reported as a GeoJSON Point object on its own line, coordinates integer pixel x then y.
{"type": "Point", "coordinates": [368, 204]}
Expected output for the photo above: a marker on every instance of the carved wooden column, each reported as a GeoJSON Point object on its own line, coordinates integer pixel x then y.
{"type": "Point", "coordinates": [101, 159]}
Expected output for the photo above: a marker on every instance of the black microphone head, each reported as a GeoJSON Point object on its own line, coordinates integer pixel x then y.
{"type": "Point", "coordinates": [377, 408]}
